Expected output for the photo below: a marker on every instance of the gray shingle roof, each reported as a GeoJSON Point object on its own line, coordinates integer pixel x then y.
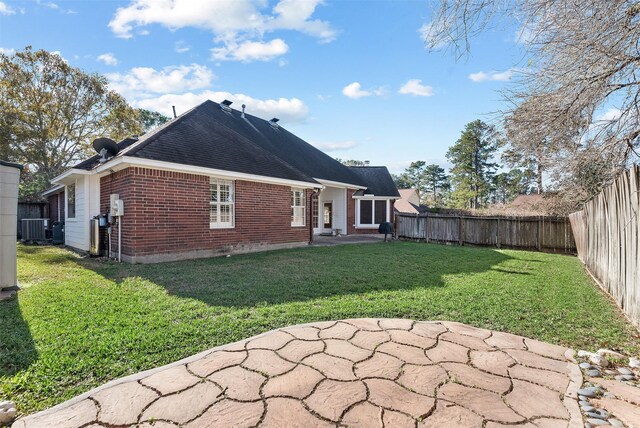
{"type": "Point", "coordinates": [209, 137]}
{"type": "Point", "coordinates": [377, 179]}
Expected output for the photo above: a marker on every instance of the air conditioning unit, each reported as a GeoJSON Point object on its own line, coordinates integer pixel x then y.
{"type": "Point", "coordinates": [34, 229]}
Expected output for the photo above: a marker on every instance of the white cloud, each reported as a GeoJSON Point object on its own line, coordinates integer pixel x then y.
{"type": "Point", "coordinates": [500, 76]}
{"type": "Point", "coordinates": [108, 58]}
{"type": "Point", "coordinates": [50, 5]}
{"type": "Point", "coordinates": [610, 115]}
{"type": "Point", "coordinates": [239, 25]}
{"type": "Point", "coordinates": [415, 87]}
{"type": "Point", "coordinates": [425, 35]}
{"type": "Point", "coordinates": [250, 51]}
{"type": "Point", "coordinates": [5, 9]}
{"type": "Point", "coordinates": [181, 47]}
{"type": "Point", "coordinates": [7, 51]}
{"type": "Point", "coordinates": [354, 90]}
{"type": "Point", "coordinates": [526, 34]}
{"type": "Point", "coordinates": [291, 110]}
{"type": "Point", "coordinates": [334, 146]}
{"type": "Point", "coordinates": [143, 81]}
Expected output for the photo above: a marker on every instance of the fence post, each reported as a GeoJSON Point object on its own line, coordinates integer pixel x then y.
{"type": "Point", "coordinates": [539, 235]}
{"type": "Point", "coordinates": [460, 231]}
{"type": "Point", "coordinates": [498, 234]}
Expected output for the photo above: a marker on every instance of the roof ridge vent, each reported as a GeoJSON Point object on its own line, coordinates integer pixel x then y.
{"type": "Point", "coordinates": [274, 123]}
{"type": "Point", "coordinates": [226, 105]}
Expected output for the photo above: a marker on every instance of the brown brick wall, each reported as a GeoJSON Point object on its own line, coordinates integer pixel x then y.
{"type": "Point", "coordinates": [168, 212]}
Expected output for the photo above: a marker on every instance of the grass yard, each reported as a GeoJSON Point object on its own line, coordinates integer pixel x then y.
{"type": "Point", "coordinates": [78, 323]}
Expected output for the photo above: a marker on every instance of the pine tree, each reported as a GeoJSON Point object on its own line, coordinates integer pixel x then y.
{"type": "Point", "coordinates": [473, 169]}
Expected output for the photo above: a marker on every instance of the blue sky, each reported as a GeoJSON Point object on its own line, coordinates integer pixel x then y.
{"type": "Point", "coordinates": [351, 77]}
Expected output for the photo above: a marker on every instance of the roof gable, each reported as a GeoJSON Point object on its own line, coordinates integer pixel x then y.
{"type": "Point", "coordinates": [377, 179]}
{"type": "Point", "coordinates": [207, 136]}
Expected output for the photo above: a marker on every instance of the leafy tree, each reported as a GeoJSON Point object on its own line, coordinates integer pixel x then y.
{"type": "Point", "coordinates": [51, 112]}
{"type": "Point", "coordinates": [401, 181]}
{"type": "Point", "coordinates": [577, 96]}
{"type": "Point", "coordinates": [415, 177]}
{"type": "Point", "coordinates": [437, 182]}
{"type": "Point", "coordinates": [151, 119]}
{"type": "Point", "coordinates": [472, 170]}
{"type": "Point", "coordinates": [507, 185]}
{"type": "Point", "coordinates": [429, 180]}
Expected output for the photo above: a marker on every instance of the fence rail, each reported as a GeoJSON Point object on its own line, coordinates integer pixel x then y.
{"type": "Point", "coordinates": [538, 233]}
{"type": "Point", "coordinates": [606, 234]}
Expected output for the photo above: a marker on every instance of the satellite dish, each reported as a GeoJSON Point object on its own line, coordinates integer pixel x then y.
{"type": "Point", "coordinates": [106, 147]}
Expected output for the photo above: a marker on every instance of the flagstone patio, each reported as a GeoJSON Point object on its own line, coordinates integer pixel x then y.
{"type": "Point", "coordinates": [356, 373]}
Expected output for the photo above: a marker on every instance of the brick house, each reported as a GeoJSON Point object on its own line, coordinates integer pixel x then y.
{"type": "Point", "coordinates": [55, 198]}
{"type": "Point", "coordinates": [214, 181]}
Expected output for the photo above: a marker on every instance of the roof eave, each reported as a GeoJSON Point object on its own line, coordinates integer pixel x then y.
{"type": "Point", "coordinates": [123, 162]}
{"type": "Point", "coordinates": [331, 183]}
{"type": "Point", "coordinates": [52, 190]}
{"type": "Point", "coordinates": [62, 179]}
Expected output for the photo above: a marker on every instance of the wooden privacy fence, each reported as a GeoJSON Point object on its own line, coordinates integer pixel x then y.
{"type": "Point", "coordinates": [534, 233]}
{"type": "Point", "coordinates": [31, 210]}
{"type": "Point", "coordinates": [606, 233]}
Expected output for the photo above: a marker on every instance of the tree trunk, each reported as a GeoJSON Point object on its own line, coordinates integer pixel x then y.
{"type": "Point", "coordinates": [539, 176]}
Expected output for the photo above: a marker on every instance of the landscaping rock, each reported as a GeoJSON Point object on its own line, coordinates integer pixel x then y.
{"type": "Point", "coordinates": [634, 362]}
{"type": "Point", "coordinates": [584, 366]}
{"type": "Point", "coordinates": [625, 371]}
{"type": "Point", "coordinates": [594, 373]}
{"type": "Point", "coordinates": [7, 412]}
{"type": "Point", "coordinates": [588, 409]}
{"type": "Point", "coordinates": [594, 415]}
{"type": "Point", "coordinates": [594, 421]}
{"type": "Point", "coordinates": [599, 360]}
{"type": "Point", "coordinates": [624, 377]}
{"type": "Point", "coordinates": [616, 423]}
{"type": "Point", "coordinates": [583, 353]}
{"type": "Point", "coordinates": [588, 392]}
{"type": "Point", "coordinates": [609, 352]}
{"type": "Point", "coordinates": [609, 395]}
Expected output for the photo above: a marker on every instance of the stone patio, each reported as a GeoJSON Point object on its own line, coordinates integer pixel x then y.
{"type": "Point", "coordinates": [356, 373]}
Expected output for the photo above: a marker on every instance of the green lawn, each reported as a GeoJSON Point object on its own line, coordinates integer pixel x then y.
{"type": "Point", "coordinates": [79, 322]}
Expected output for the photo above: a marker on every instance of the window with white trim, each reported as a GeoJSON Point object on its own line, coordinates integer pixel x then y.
{"type": "Point", "coordinates": [372, 212]}
{"type": "Point", "coordinates": [71, 201]}
{"type": "Point", "coordinates": [298, 208]}
{"type": "Point", "coordinates": [221, 203]}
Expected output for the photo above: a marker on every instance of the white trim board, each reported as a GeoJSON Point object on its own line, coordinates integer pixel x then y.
{"type": "Point", "coordinates": [123, 162]}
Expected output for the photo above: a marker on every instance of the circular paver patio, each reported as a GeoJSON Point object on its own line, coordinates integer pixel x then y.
{"type": "Point", "coordinates": [356, 373]}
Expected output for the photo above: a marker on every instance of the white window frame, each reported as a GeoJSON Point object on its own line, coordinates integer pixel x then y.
{"type": "Point", "coordinates": [75, 201]}
{"type": "Point", "coordinates": [301, 221]}
{"type": "Point", "coordinates": [218, 224]}
{"type": "Point", "coordinates": [371, 225]}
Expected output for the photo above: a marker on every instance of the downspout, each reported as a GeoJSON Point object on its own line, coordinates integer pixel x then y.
{"type": "Point", "coordinates": [119, 239]}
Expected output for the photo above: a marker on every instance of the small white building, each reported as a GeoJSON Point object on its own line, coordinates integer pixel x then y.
{"type": "Point", "coordinates": [9, 181]}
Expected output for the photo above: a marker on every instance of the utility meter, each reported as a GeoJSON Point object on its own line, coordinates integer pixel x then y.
{"type": "Point", "coordinates": [116, 205]}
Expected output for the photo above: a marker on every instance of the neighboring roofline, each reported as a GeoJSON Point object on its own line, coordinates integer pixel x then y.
{"type": "Point", "coordinates": [69, 172]}
{"type": "Point", "coordinates": [52, 190]}
{"type": "Point", "coordinates": [127, 161]}
{"type": "Point", "coordinates": [338, 184]}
